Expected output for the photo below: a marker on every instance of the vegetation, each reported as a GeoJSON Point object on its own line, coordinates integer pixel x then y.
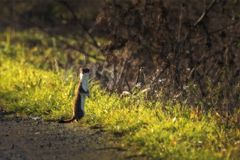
{"type": "Point", "coordinates": [178, 60]}
{"type": "Point", "coordinates": [31, 85]}
{"type": "Point", "coordinates": [189, 49]}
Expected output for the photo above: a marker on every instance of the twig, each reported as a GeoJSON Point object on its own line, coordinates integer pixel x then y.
{"type": "Point", "coordinates": [180, 23]}
{"type": "Point", "coordinates": [224, 27]}
{"type": "Point", "coordinates": [206, 11]}
{"type": "Point", "coordinates": [118, 82]}
{"type": "Point", "coordinates": [83, 52]}
{"type": "Point", "coordinates": [220, 29]}
{"type": "Point", "coordinates": [129, 88]}
{"type": "Point", "coordinates": [68, 7]}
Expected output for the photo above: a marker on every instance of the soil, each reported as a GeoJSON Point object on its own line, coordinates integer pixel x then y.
{"type": "Point", "coordinates": [34, 139]}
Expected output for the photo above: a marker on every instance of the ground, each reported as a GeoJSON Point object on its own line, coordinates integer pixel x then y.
{"type": "Point", "coordinates": [30, 138]}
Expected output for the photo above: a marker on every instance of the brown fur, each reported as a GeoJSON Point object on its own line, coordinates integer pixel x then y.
{"type": "Point", "coordinates": [77, 112]}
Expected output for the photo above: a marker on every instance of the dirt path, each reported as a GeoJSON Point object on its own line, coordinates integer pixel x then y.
{"type": "Point", "coordinates": [28, 139]}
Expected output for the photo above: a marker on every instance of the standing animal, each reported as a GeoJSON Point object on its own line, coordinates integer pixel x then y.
{"type": "Point", "coordinates": [82, 92]}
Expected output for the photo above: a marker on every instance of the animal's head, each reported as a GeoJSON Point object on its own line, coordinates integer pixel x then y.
{"type": "Point", "coordinates": [84, 72]}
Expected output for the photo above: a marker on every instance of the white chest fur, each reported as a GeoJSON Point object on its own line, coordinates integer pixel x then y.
{"type": "Point", "coordinates": [84, 81]}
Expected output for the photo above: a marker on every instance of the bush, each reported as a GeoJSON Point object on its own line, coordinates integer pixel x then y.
{"type": "Point", "coordinates": [189, 49]}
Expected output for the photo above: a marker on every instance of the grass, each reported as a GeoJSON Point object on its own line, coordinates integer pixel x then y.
{"type": "Point", "coordinates": [169, 131]}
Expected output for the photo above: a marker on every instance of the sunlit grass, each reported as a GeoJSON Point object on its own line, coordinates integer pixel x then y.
{"type": "Point", "coordinates": [33, 91]}
{"type": "Point", "coordinates": [162, 131]}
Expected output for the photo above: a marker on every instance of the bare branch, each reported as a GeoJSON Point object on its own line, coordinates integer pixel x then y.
{"type": "Point", "coordinates": [77, 21]}
{"type": "Point", "coordinates": [204, 14]}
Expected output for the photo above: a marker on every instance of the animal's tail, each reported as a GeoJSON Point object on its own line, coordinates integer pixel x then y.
{"type": "Point", "coordinates": [77, 117]}
{"type": "Point", "coordinates": [67, 121]}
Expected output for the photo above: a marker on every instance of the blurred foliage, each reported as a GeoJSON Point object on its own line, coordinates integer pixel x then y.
{"type": "Point", "coordinates": [47, 51]}
{"type": "Point", "coordinates": [161, 131]}
{"type": "Point", "coordinates": [50, 14]}
{"type": "Point", "coordinates": [42, 44]}
{"type": "Point", "coordinates": [187, 50]}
